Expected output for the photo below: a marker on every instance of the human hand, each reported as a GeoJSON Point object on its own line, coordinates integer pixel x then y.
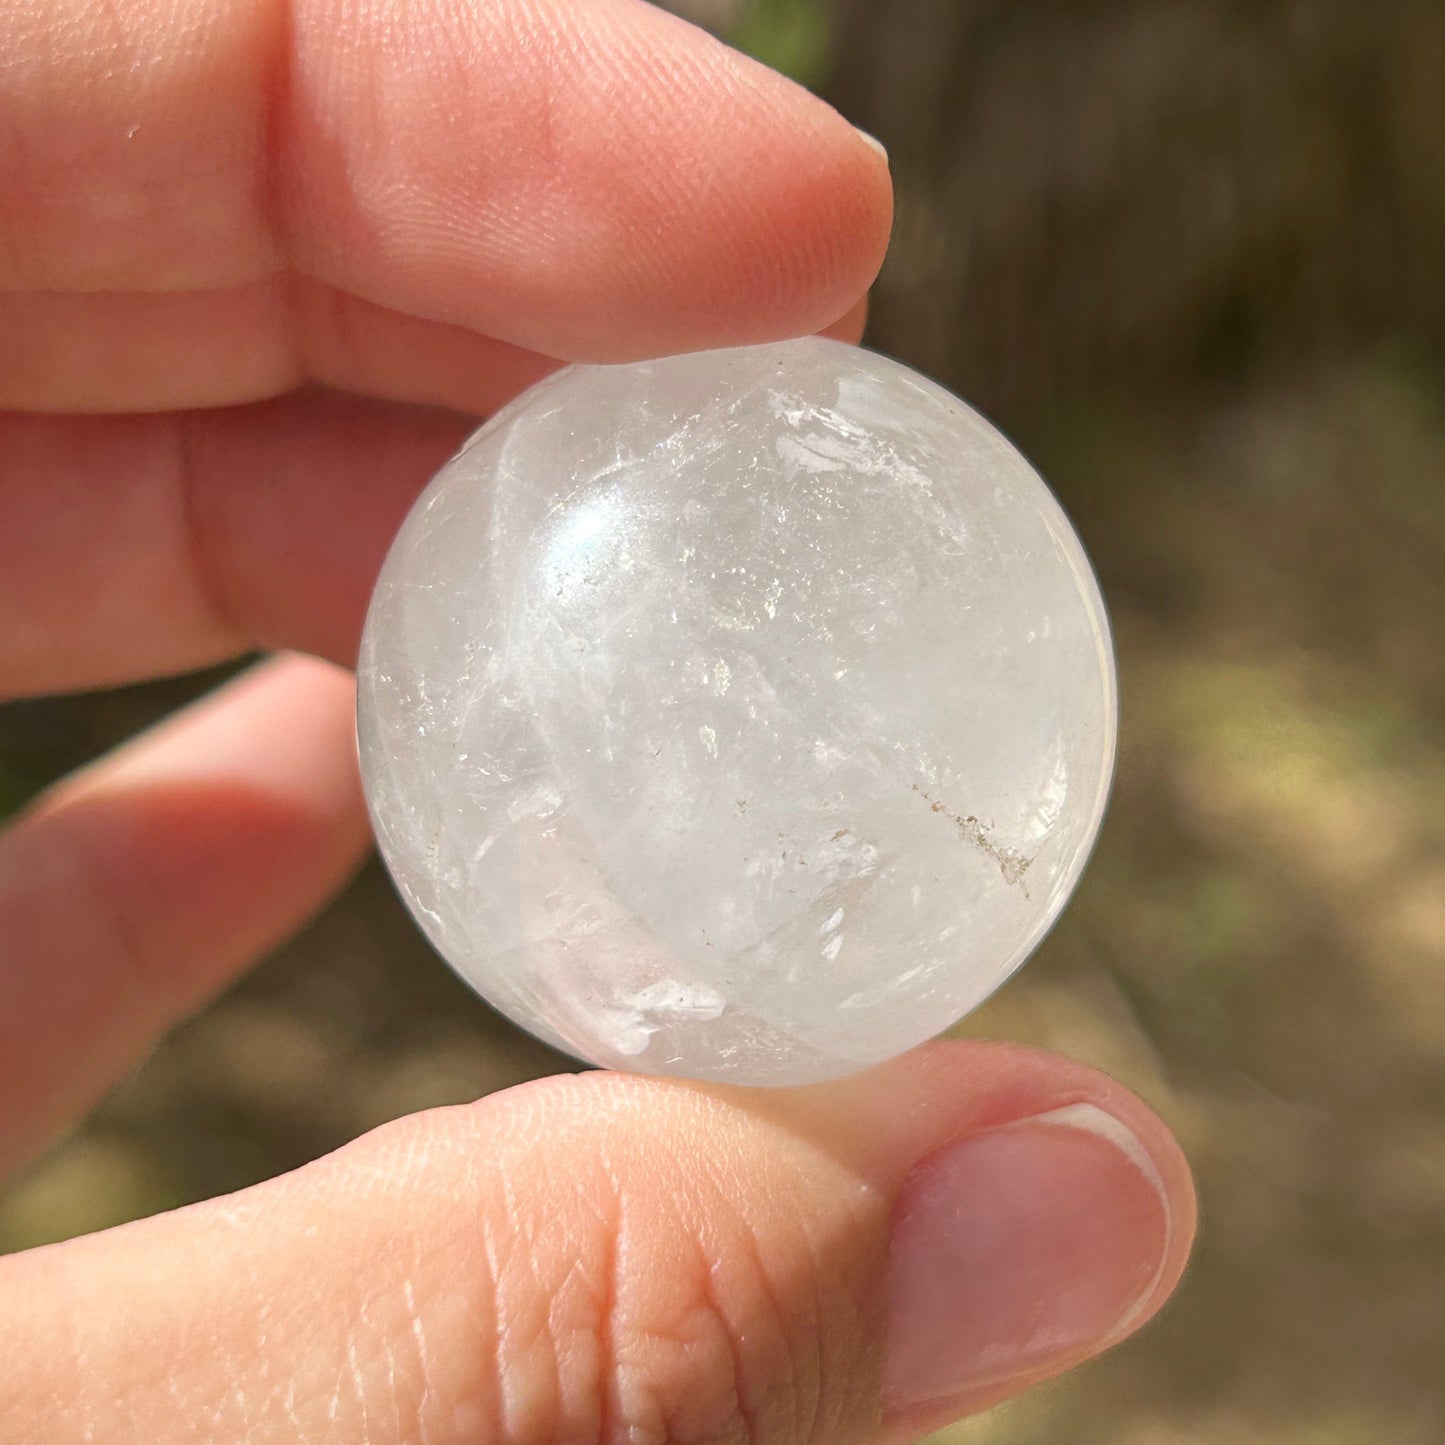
{"type": "Point", "coordinates": [205, 207]}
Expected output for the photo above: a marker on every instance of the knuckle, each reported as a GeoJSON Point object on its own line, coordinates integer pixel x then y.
{"type": "Point", "coordinates": [683, 1321]}
{"type": "Point", "coordinates": [632, 1290]}
{"type": "Point", "coordinates": [708, 1359]}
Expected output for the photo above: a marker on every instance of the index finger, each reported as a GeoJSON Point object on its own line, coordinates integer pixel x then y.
{"type": "Point", "coordinates": [588, 179]}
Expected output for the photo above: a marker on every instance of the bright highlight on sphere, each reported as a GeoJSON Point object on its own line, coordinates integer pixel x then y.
{"type": "Point", "coordinates": [746, 715]}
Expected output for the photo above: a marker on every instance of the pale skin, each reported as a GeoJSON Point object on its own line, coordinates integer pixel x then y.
{"type": "Point", "coordinates": [259, 265]}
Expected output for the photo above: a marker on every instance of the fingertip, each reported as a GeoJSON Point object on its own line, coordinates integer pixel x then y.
{"type": "Point", "coordinates": [851, 325]}
{"type": "Point", "coordinates": [595, 181]}
{"type": "Point", "coordinates": [1041, 1213]}
{"type": "Point", "coordinates": [792, 230]}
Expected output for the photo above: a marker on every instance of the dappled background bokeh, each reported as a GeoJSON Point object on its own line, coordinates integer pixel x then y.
{"type": "Point", "coordinates": [1190, 254]}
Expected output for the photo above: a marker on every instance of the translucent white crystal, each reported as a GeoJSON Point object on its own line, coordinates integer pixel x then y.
{"type": "Point", "coordinates": [746, 715]}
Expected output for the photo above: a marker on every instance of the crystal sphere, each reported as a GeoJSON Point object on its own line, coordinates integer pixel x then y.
{"type": "Point", "coordinates": [746, 715]}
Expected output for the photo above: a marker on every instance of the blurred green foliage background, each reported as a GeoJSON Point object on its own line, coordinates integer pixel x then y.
{"type": "Point", "coordinates": [1192, 257]}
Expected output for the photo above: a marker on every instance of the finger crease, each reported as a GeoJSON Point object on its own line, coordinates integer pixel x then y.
{"type": "Point", "coordinates": [748, 1416]}
{"type": "Point", "coordinates": [610, 1424]}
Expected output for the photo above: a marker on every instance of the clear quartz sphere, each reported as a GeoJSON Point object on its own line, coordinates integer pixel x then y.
{"type": "Point", "coordinates": [746, 715]}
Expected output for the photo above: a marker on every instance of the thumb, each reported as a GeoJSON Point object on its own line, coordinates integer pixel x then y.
{"type": "Point", "coordinates": [607, 1258]}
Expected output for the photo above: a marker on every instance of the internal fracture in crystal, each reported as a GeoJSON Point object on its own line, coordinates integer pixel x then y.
{"type": "Point", "coordinates": [746, 715]}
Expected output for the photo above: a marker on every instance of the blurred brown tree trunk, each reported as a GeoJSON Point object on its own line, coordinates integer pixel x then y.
{"type": "Point", "coordinates": [1148, 188]}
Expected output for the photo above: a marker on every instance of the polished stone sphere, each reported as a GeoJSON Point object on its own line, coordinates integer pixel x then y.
{"type": "Point", "coordinates": [746, 715]}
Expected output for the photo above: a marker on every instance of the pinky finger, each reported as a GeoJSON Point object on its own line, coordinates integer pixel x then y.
{"type": "Point", "coordinates": [137, 887]}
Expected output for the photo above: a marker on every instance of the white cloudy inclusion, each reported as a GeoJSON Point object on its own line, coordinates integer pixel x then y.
{"type": "Point", "coordinates": [746, 715]}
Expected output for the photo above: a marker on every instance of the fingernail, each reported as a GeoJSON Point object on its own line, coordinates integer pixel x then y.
{"type": "Point", "coordinates": [874, 142]}
{"type": "Point", "coordinates": [1020, 1250]}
